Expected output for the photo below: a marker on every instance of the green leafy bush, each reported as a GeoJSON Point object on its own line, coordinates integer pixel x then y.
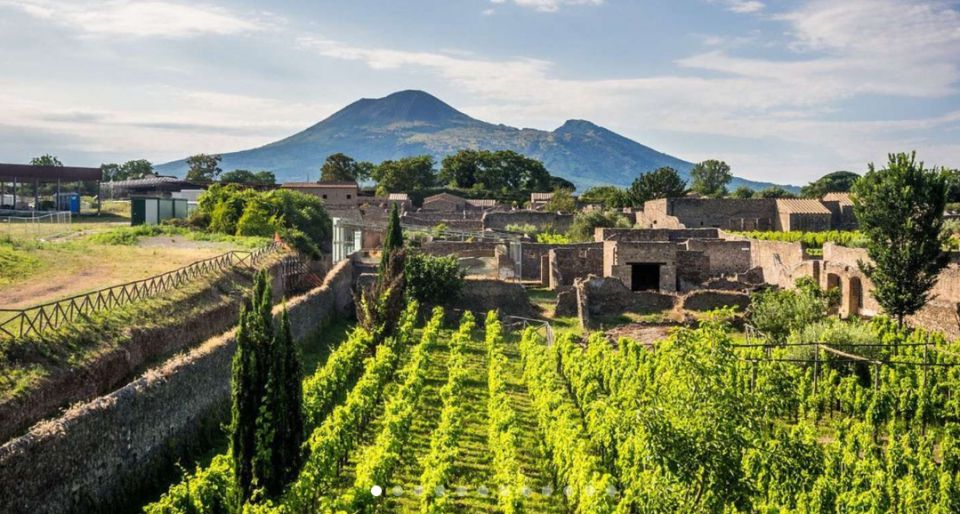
{"type": "Point", "coordinates": [584, 223]}
{"type": "Point", "coordinates": [433, 280]}
{"type": "Point", "coordinates": [848, 238]}
{"type": "Point", "coordinates": [299, 218]}
{"type": "Point", "coordinates": [778, 313]}
{"type": "Point", "coordinates": [551, 237]}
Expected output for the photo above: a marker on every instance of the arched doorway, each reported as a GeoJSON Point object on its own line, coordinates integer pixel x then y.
{"type": "Point", "coordinates": [854, 298]}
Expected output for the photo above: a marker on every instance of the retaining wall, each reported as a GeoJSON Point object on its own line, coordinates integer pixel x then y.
{"type": "Point", "coordinates": [99, 455]}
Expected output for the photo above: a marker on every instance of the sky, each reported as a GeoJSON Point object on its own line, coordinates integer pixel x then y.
{"type": "Point", "coordinates": [783, 91]}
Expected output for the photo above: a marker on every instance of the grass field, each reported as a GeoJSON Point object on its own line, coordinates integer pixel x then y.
{"type": "Point", "coordinates": [80, 257]}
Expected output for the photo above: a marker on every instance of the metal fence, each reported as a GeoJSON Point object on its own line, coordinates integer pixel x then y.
{"type": "Point", "coordinates": [33, 223]}
{"type": "Point", "coordinates": [521, 323]}
{"type": "Point", "coordinates": [34, 320]}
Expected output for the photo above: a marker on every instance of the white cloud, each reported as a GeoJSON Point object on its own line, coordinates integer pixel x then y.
{"type": "Point", "coordinates": [741, 6]}
{"type": "Point", "coordinates": [746, 6]}
{"type": "Point", "coordinates": [841, 52]}
{"type": "Point", "coordinates": [139, 18]}
{"type": "Point", "coordinates": [550, 5]}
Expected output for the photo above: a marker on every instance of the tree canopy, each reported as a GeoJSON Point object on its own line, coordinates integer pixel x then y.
{"type": "Point", "coordinates": [663, 182]}
{"type": "Point", "coordinates": [561, 201]}
{"type": "Point", "coordinates": [46, 160]}
{"type": "Point", "coordinates": [836, 182]}
{"type": "Point", "coordinates": [410, 174]}
{"type": "Point", "coordinates": [710, 178]}
{"type": "Point", "coordinates": [611, 197]}
{"type": "Point", "coordinates": [900, 211]}
{"type": "Point", "coordinates": [260, 178]}
{"type": "Point", "coordinates": [203, 168]}
{"type": "Point", "coordinates": [498, 171]}
{"type": "Point", "coordinates": [340, 166]}
{"type": "Point", "coordinates": [774, 192]}
{"type": "Point", "coordinates": [129, 170]}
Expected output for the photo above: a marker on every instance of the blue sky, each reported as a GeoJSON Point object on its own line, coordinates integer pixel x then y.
{"type": "Point", "coordinates": [783, 91]}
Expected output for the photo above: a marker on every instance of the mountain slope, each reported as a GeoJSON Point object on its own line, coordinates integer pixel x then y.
{"type": "Point", "coordinates": [410, 123]}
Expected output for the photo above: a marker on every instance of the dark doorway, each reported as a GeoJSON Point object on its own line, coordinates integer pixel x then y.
{"type": "Point", "coordinates": [645, 277]}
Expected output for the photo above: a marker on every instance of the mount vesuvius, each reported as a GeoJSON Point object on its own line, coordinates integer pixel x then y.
{"type": "Point", "coordinates": [409, 123]}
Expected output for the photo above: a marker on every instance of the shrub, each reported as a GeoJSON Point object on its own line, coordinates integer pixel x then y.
{"type": "Point", "coordinates": [300, 218]}
{"type": "Point", "coordinates": [777, 313]}
{"type": "Point", "coordinates": [551, 237]}
{"type": "Point", "coordinates": [584, 223]}
{"type": "Point", "coordinates": [848, 238]}
{"type": "Point", "coordinates": [433, 280]}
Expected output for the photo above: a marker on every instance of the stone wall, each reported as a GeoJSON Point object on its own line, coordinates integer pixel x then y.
{"type": "Point", "coordinates": [210, 313]}
{"type": "Point", "coordinates": [532, 255]}
{"type": "Point", "coordinates": [567, 264]}
{"type": "Point", "coordinates": [598, 296]}
{"type": "Point", "coordinates": [482, 295]}
{"type": "Point", "coordinates": [539, 219]}
{"type": "Point", "coordinates": [102, 453]}
{"type": "Point", "coordinates": [779, 261]}
{"type": "Point", "coordinates": [726, 213]}
{"type": "Point", "coordinates": [655, 215]}
{"type": "Point", "coordinates": [654, 234]}
{"type": "Point", "coordinates": [702, 301]}
{"type": "Point", "coordinates": [460, 248]}
{"type": "Point", "coordinates": [726, 257]}
{"type": "Point", "coordinates": [618, 257]}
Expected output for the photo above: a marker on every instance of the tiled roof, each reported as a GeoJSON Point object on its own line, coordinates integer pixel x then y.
{"type": "Point", "coordinates": [801, 206]}
{"type": "Point", "coordinates": [482, 202]}
{"type": "Point", "coordinates": [337, 184]}
{"type": "Point", "coordinates": [442, 196]}
{"type": "Point", "coordinates": [843, 198]}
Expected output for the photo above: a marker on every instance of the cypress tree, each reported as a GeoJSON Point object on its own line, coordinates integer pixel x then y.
{"type": "Point", "coordinates": [267, 425]}
{"type": "Point", "coordinates": [291, 433]}
{"type": "Point", "coordinates": [245, 405]}
{"type": "Point", "coordinates": [393, 239]}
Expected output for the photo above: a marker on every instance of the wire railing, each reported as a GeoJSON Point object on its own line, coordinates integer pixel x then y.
{"type": "Point", "coordinates": [18, 323]}
{"type": "Point", "coordinates": [522, 323]}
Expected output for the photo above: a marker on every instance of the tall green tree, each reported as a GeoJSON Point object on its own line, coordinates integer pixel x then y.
{"type": "Point", "coordinates": [393, 238]}
{"type": "Point", "coordinates": [900, 211]}
{"type": "Point", "coordinates": [46, 160]}
{"type": "Point", "coordinates": [710, 178]}
{"type": "Point", "coordinates": [664, 182]}
{"type": "Point", "coordinates": [203, 168]}
{"type": "Point", "coordinates": [742, 193]}
{"type": "Point", "coordinates": [407, 175]}
{"type": "Point", "coordinates": [836, 182]}
{"type": "Point", "coordinates": [267, 421]}
{"type": "Point", "coordinates": [340, 166]}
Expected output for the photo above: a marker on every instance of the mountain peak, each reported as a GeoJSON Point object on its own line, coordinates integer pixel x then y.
{"type": "Point", "coordinates": [577, 126]}
{"type": "Point", "coordinates": [407, 106]}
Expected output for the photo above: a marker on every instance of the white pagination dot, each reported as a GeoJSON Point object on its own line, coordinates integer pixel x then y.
{"type": "Point", "coordinates": [376, 490]}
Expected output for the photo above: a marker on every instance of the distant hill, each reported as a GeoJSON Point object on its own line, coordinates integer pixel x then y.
{"type": "Point", "coordinates": [410, 123]}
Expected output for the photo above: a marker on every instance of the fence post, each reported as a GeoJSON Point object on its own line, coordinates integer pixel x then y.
{"type": "Point", "coordinates": [816, 365]}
